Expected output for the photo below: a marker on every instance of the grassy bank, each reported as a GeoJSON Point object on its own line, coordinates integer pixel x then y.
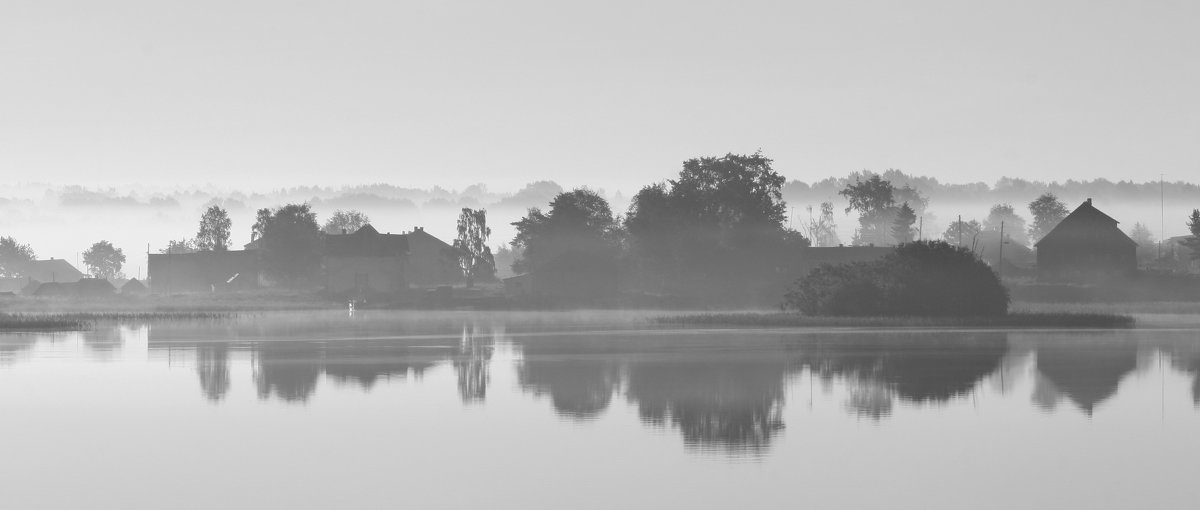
{"type": "Point", "coordinates": [791, 320]}
{"type": "Point", "coordinates": [76, 321]}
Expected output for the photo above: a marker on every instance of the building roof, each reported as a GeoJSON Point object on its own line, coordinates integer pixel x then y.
{"type": "Point", "coordinates": [83, 287]}
{"type": "Point", "coordinates": [419, 235]}
{"type": "Point", "coordinates": [366, 242]}
{"type": "Point", "coordinates": [1086, 223]}
{"type": "Point", "coordinates": [53, 270]}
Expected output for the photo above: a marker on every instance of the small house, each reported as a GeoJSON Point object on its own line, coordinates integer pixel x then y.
{"type": "Point", "coordinates": [1086, 246]}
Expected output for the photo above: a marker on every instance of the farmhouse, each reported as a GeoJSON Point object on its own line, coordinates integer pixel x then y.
{"type": "Point", "coordinates": [365, 262]}
{"type": "Point", "coordinates": [1086, 246]}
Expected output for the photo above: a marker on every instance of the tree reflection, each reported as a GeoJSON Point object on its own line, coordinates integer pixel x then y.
{"type": "Point", "coordinates": [735, 404]}
{"type": "Point", "coordinates": [287, 370]}
{"type": "Point", "coordinates": [912, 367]}
{"type": "Point", "coordinates": [212, 366]}
{"type": "Point", "coordinates": [578, 373]}
{"type": "Point", "coordinates": [471, 365]}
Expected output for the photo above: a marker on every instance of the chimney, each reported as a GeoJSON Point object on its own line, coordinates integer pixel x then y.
{"type": "Point", "coordinates": [343, 231]}
{"type": "Point", "coordinates": [1088, 201]}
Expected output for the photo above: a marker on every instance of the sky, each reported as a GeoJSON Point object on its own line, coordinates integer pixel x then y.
{"type": "Point", "coordinates": [264, 94]}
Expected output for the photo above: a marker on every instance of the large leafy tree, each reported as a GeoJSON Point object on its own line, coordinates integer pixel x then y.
{"type": "Point", "coordinates": [261, 219]}
{"type": "Point", "coordinates": [345, 222]}
{"type": "Point", "coordinates": [578, 221]}
{"type": "Point", "coordinates": [1047, 211]}
{"type": "Point", "coordinates": [213, 234]}
{"type": "Point", "coordinates": [14, 257]}
{"type": "Point", "coordinates": [718, 227]}
{"type": "Point", "coordinates": [473, 253]}
{"type": "Point", "coordinates": [291, 243]}
{"type": "Point", "coordinates": [103, 260]}
{"type": "Point", "coordinates": [875, 201]}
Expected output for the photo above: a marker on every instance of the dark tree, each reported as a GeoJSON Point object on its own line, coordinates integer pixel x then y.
{"type": "Point", "coordinates": [103, 260]}
{"type": "Point", "coordinates": [14, 257]}
{"type": "Point", "coordinates": [343, 222]}
{"type": "Point", "coordinates": [1193, 241]}
{"type": "Point", "coordinates": [578, 221]}
{"type": "Point", "coordinates": [291, 244]}
{"type": "Point", "coordinates": [922, 278]}
{"type": "Point", "coordinates": [716, 230]}
{"type": "Point", "coordinates": [1047, 211]}
{"type": "Point", "coordinates": [471, 248]}
{"type": "Point", "coordinates": [871, 195]}
{"type": "Point", "coordinates": [902, 227]}
{"type": "Point", "coordinates": [213, 234]}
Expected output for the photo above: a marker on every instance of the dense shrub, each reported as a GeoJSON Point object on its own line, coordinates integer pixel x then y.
{"type": "Point", "coordinates": [923, 278]}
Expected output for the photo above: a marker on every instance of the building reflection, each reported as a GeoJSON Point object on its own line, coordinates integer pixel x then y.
{"type": "Point", "coordinates": [1085, 370]}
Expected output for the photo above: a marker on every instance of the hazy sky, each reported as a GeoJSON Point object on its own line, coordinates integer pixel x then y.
{"type": "Point", "coordinates": [254, 94]}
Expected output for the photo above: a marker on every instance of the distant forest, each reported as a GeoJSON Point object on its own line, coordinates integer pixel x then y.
{"type": "Point", "coordinates": [798, 193]}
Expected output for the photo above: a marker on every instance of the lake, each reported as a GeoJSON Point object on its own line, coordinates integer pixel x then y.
{"type": "Point", "coordinates": [594, 410]}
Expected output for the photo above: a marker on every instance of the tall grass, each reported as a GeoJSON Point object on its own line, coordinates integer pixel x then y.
{"type": "Point", "coordinates": [76, 321]}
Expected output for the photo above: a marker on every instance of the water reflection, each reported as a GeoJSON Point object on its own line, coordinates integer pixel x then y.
{"type": "Point", "coordinates": [715, 389]}
{"type": "Point", "coordinates": [915, 368]}
{"type": "Point", "coordinates": [1083, 370]}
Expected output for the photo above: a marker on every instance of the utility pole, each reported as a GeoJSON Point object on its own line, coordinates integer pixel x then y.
{"type": "Point", "coordinates": [960, 231]}
{"type": "Point", "coordinates": [921, 230]}
{"type": "Point", "coordinates": [1162, 215]}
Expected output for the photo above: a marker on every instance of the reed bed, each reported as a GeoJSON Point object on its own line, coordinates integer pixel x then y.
{"type": "Point", "coordinates": [76, 321]}
{"type": "Point", "coordinates": [792, 320]}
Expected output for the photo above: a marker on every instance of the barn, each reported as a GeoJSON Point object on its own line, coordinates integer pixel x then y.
{"type": "Point", "coordinates": [1087, 246]}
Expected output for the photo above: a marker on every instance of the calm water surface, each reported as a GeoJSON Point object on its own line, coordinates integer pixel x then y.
{"type": "Point", "coordinates": [385, 410]}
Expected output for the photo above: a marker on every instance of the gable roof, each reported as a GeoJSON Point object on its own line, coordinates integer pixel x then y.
{"type": "Point", "coordinates": [52, 270]}
{"type": "Point", "coordinates": [1086, 222]}
{"type": "Point", "coordinates": [420, 236]}
{"type": "Point", "coordinates": [366, 242]}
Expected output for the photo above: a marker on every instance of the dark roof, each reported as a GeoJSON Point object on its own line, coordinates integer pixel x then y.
{"type": "Point", "coordinates": [366, 242]}
{"type": "Point", "coordinates": [419, 235]}
{"type": "Point", "coordinates": [133, 286]}
{"type": "Point", "coordinates": [52, 270]}
{"type": "Point", "coordinates": [84, 287]}
{"type": "Point", "coordinates": [1086, 223]}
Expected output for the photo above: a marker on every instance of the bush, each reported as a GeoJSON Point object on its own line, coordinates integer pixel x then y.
{"type": "Point", "coordinates": [923, 278]}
